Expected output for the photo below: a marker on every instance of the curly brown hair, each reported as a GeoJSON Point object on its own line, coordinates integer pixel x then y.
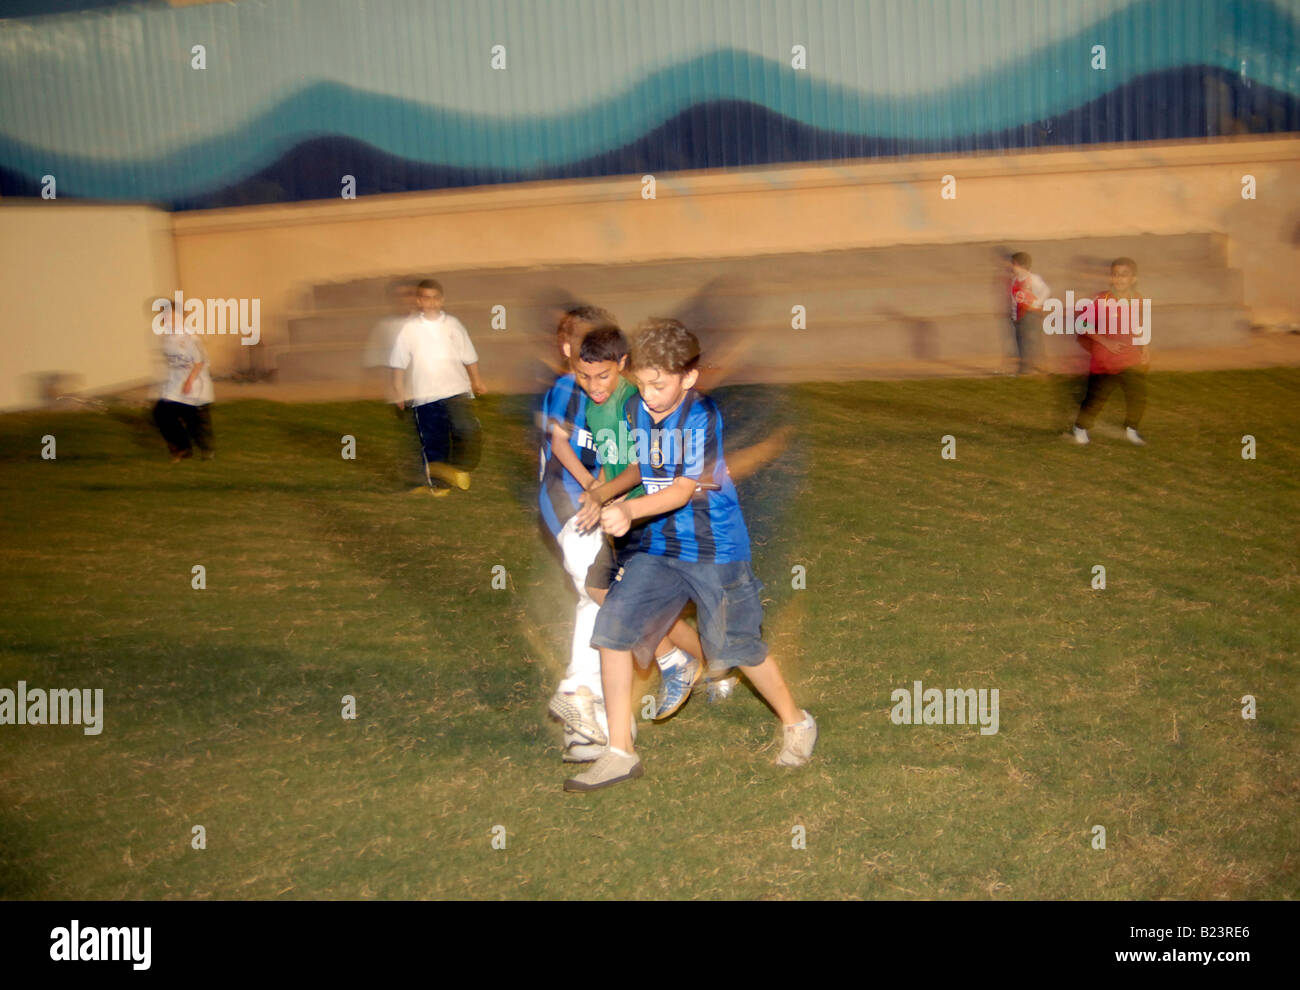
{"type": "Point", "coordinates": [665, 345]}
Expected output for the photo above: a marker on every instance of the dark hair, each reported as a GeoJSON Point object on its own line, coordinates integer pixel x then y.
{"type": "Point", "coordinates": [1023, 259]}
{"type": "Point", "coordinates": [603, 344]}
{"type": "Point", "coordinates": [429, 283]}
{"type": "Point", "coordinates": [592, 317]}
{"type": "Point", "coordinates": [1125, 261]}
{"type": "Point", "coordinates": [665, 345]}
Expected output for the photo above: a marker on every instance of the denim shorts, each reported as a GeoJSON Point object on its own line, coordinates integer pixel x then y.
{"type": "Point", "coordinates": [651, 591]}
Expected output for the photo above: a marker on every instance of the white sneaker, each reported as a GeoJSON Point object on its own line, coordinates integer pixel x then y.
{"type": "Point", "coordinates": [1134, 437]}
{"type": "Point", "coordinates": [577, 710]}
{"type": "Point", "coordinates": [1080, 434]}
{"type": "Point", "coordinates": [800, 739]}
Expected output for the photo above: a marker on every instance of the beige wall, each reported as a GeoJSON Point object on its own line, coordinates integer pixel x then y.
{"type": "Point", "coordinates": [76, 278]}
{"type": "Point", "coordinates": [275, 252]}
{"type": "Point", "coordinates": [76, 281]}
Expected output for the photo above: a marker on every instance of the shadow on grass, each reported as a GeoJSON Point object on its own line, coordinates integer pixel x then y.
{"type": "Point", "coordinates": [17, 879]}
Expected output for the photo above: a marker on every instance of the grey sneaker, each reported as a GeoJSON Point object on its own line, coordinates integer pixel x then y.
{"type": "Point", "coordinates": [800, 739]}
{"type": "Point", "coordinates": [676, 684]}
{"type": "Point", "coordinates": [1134, 437]}
{"type": "Point", "coordinates": [1080, 434]}
{"type": "Point", "coordinates": [577, 710]}
{"type": "Point", "coordinates": [611, 768]}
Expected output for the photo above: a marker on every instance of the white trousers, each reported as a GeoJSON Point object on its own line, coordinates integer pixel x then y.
{"type": "Point", "coordinates": [579, 551]}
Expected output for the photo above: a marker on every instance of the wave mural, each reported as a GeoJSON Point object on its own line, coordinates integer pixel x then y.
{"type": "Point", "coordinates": [404, 96]}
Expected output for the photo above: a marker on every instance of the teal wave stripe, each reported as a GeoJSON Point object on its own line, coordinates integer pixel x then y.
{"type": "Point", "coordinates": [1252, 38]}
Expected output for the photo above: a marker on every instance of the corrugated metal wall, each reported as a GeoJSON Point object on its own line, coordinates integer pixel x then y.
{"type": "Point", "coordinates": [407, 94]}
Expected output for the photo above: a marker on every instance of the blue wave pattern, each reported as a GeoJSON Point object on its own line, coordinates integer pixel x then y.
{"type": "Point", "coordinates": [1175, 68]}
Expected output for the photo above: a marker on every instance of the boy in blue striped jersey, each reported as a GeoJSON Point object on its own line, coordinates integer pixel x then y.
{"type": "Point", "coordinates": [692, 545]}
{"type": "Point", "coordinates": [596, 350]}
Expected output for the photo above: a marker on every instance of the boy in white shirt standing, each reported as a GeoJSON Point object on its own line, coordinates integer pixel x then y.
{"type": "Point", "coordinates": [435, 372]}
{"type": "Point", "coordinates": [182, 413]}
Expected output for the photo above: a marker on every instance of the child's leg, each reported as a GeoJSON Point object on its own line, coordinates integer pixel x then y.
{"type": "Point", "coordinates": [769, 683]}
{"type": "Point", "coordinates": [640, 607]}
{"type": "Point", "coordinates": [579, 551]}
{"type": "Point", "coordinates": [683, 636]}
{"type": "Point", "coordinates": [166, 417]}
{"type": "Point", "coordinates": [1024, 343]}
{"type": "Point", "coordinates": [1134, 383]}
{"type": "Point", "coordinates": [1099, 389]}
{"type": "Point", "coordinates": [730, 606]}
{"type": "Point", "coordinates": [432, 426]}
{"type": "Point", "coordinates": [616, 673]}
{"type": "Point", "coordinates": [201, 427]}
{"type": "Point", "coordinates": [466, 434]}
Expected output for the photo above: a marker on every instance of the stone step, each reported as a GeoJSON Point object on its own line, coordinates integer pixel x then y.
{"type": "Point", "coordinates": [1056, 260]}
{"type": "Point", "coordinates": [511, 361]}
{"type": "Point", "coordinates": [767, 301]}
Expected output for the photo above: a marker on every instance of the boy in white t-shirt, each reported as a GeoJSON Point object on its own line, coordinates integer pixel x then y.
{"type": "Point", "coordinates": [435, 373]}
{"type": "Point", "coordinates": [182, 413]}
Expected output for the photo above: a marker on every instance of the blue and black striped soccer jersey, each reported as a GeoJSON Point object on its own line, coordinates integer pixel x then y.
{"type": "Point", "coordinates": [565, 404]}
{"type": "Point", "coordinates": [688, 442]}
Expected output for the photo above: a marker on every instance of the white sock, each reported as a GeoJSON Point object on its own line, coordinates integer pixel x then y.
{"type": "Point", "coordinates": [618, 752]}
{"type": "Point", "coordinates": [804, 723]}
{"type": "Point", "coordinates": [673, 658]}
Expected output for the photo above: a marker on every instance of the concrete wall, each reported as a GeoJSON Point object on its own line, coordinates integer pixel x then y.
{"type": "Point", "coordinates": [275, 253]}
{"type": "Point", "coordinates": [76, 279]}
{"type": "Point", "coordinates": [76, 283]}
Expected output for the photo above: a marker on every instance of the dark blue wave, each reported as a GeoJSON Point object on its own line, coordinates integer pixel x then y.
{"type": "Point", "coordinates": [1185, 103]}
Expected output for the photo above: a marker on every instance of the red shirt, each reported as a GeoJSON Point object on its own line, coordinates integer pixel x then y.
{"type": "Point", "coordinates": [1026, 294]}
{"type": "Point", "coordinates": [1104, 360]}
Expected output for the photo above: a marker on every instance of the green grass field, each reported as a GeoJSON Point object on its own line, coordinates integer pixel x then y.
{"type": "Point", "coordinates": [1119, 707]}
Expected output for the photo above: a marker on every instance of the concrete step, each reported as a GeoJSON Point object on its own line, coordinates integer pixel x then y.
{"type": "Point", "coordinates": [509, 361]}
{"type": "Point", "coordinates": [768, 301]}
{"type": "Point", "coordinates": [1057, 261]}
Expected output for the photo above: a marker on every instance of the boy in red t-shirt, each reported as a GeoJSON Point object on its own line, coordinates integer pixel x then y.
{"type": "Point", "coordinates": [1117, 358]}
{"type": "Point", "coordinates": [1027, 293]}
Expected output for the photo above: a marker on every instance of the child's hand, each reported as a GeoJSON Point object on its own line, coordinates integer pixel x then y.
{"type": "Point", "coordinates": [588, 512]}
{"type": "Point", "coordinates": [616, 519]}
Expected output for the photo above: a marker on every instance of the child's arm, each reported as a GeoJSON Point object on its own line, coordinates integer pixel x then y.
{"type": "Point", "coordinates": [565, 455]}
{"type": "Point", "coordinates": [194, 373]}
{"type": "Point", "coordinates": [475, 382]}
{"type": "Point", "coordinates": [395, 387]}
{"type": "Point", "coordinates": [617, 519]}
{"type": "Point", "coordinates": [595, 497]}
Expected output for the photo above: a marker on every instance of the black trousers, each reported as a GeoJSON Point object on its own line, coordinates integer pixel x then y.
{"type": "Point", "coordinates": [183, 426]}
{"type": "Point", "coordinates": [450, 432]}
{"type": "Point", "coordinates": [1134, 383]}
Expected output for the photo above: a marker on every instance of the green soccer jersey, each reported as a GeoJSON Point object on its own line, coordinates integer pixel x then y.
{"type": "Point", "coordinates": [613, 445]}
